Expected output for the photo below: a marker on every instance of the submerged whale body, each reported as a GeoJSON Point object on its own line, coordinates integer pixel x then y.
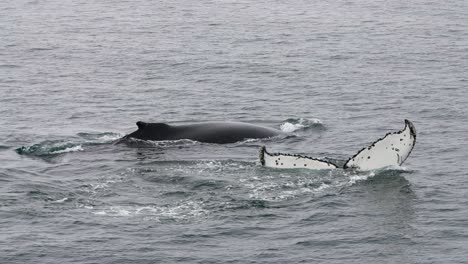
{"type": "Point", "coordinates": [208, 132]}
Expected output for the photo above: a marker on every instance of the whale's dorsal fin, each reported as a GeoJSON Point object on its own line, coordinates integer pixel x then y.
{"type": "Point", "coordinates": [141, 124]}
{"type": "Point", "coordinates": [289, 161]}
{"type": "Point", "coordinates": [391, 150]}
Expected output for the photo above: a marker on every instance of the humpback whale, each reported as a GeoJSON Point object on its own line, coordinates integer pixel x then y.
{"type": "Point", "coordinates": [391, 150]}
{"type": "Point", "coordinates": [208, 132]}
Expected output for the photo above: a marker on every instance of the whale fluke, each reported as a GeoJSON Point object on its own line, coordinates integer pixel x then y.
{"type": "Point", "coordinates": [290, 161]}
{"type": "Point", "coordinates": [391, 150]}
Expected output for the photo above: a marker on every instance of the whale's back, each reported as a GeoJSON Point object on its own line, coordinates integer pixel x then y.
{"type": "Point", "coordinates": [224, 132]}
{"type": "Point", "coordinates": [208, 132]}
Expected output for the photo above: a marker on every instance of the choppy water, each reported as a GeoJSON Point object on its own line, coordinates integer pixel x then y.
{"type": "Point", "coordinates": [76, 75]}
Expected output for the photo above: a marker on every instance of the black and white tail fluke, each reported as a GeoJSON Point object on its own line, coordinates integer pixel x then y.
{"type": "Point", "coordinates": [288, 161]}
{"type": "Point", "coordinates": [391, 150]}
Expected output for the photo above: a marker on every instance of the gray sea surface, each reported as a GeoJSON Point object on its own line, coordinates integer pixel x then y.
{"type": "Point", "coordinates": [76, 75]}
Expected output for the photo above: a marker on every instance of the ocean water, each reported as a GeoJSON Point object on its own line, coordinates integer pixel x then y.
{"type": "Point", "coordinates": [76, 75]}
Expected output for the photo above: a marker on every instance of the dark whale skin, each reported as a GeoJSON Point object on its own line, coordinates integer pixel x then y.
{"type": "Point", "coordinates": [208, 132]}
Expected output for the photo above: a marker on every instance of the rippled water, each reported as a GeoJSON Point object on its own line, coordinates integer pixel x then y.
{"type": "Point", "coordinates": [77, 75]}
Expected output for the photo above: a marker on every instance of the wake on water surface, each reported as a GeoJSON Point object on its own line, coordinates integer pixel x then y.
{"type": "Point", "coordinates": [50, 148]}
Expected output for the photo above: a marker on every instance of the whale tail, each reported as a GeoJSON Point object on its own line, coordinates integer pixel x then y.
{"type": "Point", "coordinates": [391, 150]}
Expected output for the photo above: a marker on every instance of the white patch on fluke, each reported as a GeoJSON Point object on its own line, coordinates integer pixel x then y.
{"type": "Point", "coordinates": [288, 161]}
{"type": "Point", "coordinates": [391, 150]}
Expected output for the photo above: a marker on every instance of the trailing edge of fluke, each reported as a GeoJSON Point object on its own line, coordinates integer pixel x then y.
{"type": "Point", "coordinates": [391, 150]}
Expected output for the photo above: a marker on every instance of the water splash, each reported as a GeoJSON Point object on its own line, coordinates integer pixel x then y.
{"type": "Point", "coordinates": [295, 124]}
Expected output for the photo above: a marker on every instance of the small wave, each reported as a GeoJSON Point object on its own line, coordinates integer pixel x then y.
{"type": "Point", "coordinates": [161, 143]}
{"type": "Point", "coordinates": [102, 186]}
{"type": "Point", "coordinates": [9, 66]}
{"type": "Point", "coordinates": [286, 188]}
{"type": "Point", "coordinates": [60, 200]}
{"type": "Point", "coordinates": [388, 173]}
{"type": "Point", "coordinates": [249, 140]}
{"type": "Point", "coordinates": [183, 211]}
{"type": "Point", "coordinates": [41, 49]}
{"type": "Point", "coordinates": [3, 147]}
{"type": "Point", "coordinates": [295, 124]}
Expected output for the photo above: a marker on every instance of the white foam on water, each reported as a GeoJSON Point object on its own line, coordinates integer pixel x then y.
{"type": "Point", "coordinates": [212, 164]}
{"type": "Point", "coordinates": [397, 168]}
{"type": "Point", "coordinates": [322, 187]}
{"type": "Point", "coordinates": [100, 213]}
{"type": "Point", "coordinates": [70, 149]}
{"type": "Point", "coordinates": [109, 137]}
{"type": "Point", "coordinates": [249, 140]}
{"type": "Point", "coordinates": [202, 167]}
{"type": "Point", "coordinates": [168, 143]}
{"type": "Point", "coordinates": [84, 205]}
{"type": "Point", "coordinates": [183, 211]}
{"type": "Point", "coordinates": [289, 127]}
{"type": "Point", "coordinates": [315, 121]}
{"type": "Point", "coordinates": [273, 191]}
{"type": "Point", "coordinates": [61, 200]}
{"type": "Point", "coordinates": [101, 185]}
{"type": "Point", "coordinates": [369, 174]}
{"type": "Point", "coordinates": [362, 177]}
